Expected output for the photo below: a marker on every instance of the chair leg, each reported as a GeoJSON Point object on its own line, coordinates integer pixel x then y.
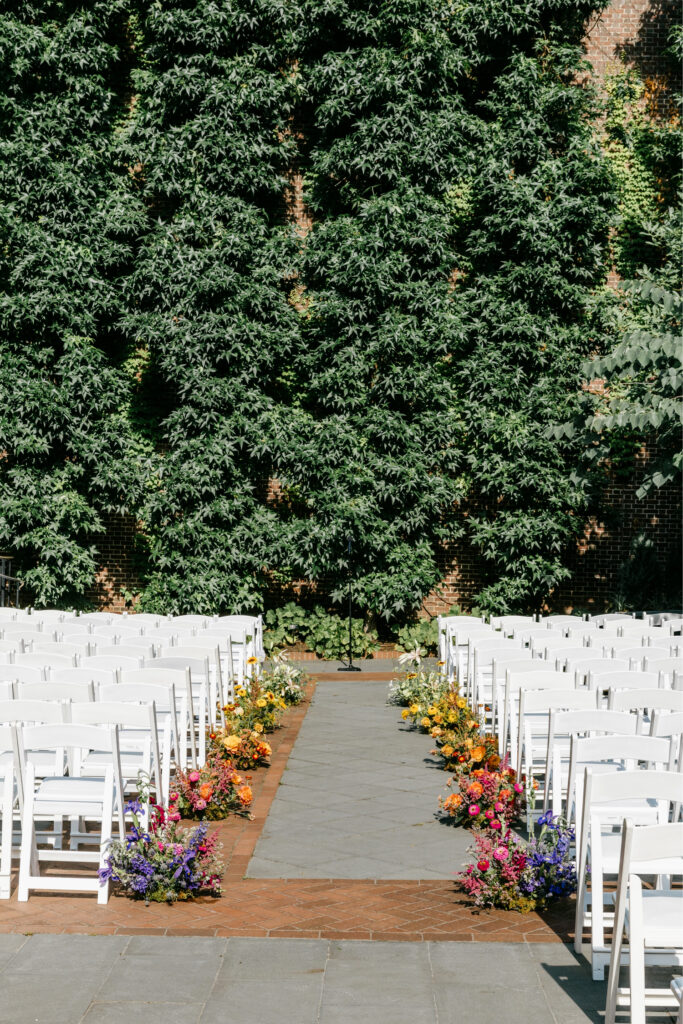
{"type": "Point", "coordinates": [105, 836]}
{"type": "Point", "coordinates": [6, 839]}
{"type": "Point", "coordinates": [28, 858]}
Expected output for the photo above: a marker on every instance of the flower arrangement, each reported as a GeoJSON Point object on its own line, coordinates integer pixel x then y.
{"type": "Point", "coordinates": [254, 710]}
{"type": "Point", "coordinates": [448, 714]}
{"type": "Point", "coordinates": [211, 792]}
{"type": "Point", "coordinates": [283, 680]}
{"type": "Point", "coordinates": [242, 749]}
{"type": "Point", "coordinates": [164, 862]}
{"type": "Point", "coordinates": [512, 874]}
{"type": "Point", "coordinates": [484, 798]}
{"type": "Point", "coordinates": [418, 687]}
{"type": "Point", "coordinates": [468, 749]}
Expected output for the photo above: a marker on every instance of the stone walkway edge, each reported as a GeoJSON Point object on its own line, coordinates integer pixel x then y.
{"type": "Point", "coordinates": [290, 908]}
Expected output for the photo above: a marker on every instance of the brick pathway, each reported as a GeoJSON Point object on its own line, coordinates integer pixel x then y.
{"type": "Point", "coordinates": [305, 908]}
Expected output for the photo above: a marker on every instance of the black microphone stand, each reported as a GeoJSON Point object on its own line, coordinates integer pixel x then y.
{"type": "Point", "coordinates": [350, 667]}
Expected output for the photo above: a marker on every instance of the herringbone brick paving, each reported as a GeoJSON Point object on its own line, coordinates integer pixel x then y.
{"type": "Point", "coordinates": [285, 908]}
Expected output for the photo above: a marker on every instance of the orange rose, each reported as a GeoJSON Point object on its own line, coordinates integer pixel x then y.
{"type": "Point", "coordinates": [478, 753]}
{"type": "Point", "coordinates": [245, 795]}
{"type": "Point", "coordinates": [206, 791]}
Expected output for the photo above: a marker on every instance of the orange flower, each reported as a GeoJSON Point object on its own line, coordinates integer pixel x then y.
{"type": "Point", "coordinates": [475, 789]}
{"type": "Point", "coordinates": [245, 795]}
{"type": "Point", "coordinates": [478, 753]}
{"type": "Point", "coordinates": [206, 791]}
{"type": "Point", "coordinates": [505, 794]}
{"type": "Point", "coordinates": [452, 802]}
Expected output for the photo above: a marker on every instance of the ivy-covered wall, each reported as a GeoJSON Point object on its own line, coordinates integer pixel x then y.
{"type": "Point", "coordinates": [277, 276]}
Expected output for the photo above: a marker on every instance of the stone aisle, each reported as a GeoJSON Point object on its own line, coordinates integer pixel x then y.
{"type": "Point", "coordinates": [359, 796]}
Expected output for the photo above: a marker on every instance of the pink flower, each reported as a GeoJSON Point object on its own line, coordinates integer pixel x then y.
{"type": "Point", "coordinates": [160, 845]}
{"type": "Point", "coordinates": [483, 864]}
{"type": "Point", "coordinates": [173, 797]}
{"type": "Point", "coordinates": [193, 777]}
{"type": "Point", "coordinates": [501, 853]}
{"type": "Point", "coordinates": [498, 807]}
{"type": "Point", "coordinates": [473, 810]}
{"type": "Point", "coordinates": [470, 869]}
{"type": "Point", "coordinates": [200, 805]}
{"type": "Point", "coordinates": [519, 788]}
{"type": "Point", "coordinates": [495, 824]}
{"type": "Point", "coordinates": [174, 817]}
{"type": "Point", "coordinates": [488, 814]}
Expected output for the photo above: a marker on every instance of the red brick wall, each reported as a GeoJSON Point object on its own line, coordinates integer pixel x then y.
{"type": "Point", "coordinates": [116, 571]}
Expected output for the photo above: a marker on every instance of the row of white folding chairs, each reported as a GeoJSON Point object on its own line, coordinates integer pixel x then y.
{"type": "Point", "coordinates": [246, 629]}
{"type": "Point", "coordinates": [179, 689]}
{"type": "Point", "coordinates": [51, 771]}
{"type": "Point", "coordinates": [456, 632]}
{"type": "Point", "coordinates": [146, 737]}
{"type": "Point", "coordinates": [647, 797]}
{"type": "Point", "coordinates": [233, 662]}
{"type": "Point", "coordinates": [532, 676]}
{"type": "Point", "coordinates": [205, 665]}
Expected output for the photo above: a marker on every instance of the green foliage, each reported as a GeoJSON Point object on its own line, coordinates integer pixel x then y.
{"type": "Point", "coordinates": [207, 302]}
{"type": "Point", "coordinates": [327, 635]}
{"type": "Point", "coordinates": [255, 395]}
{"type": "Point", "coordinates": [67, 228]}
{"type": "Point", "coordinates": [423, 634]}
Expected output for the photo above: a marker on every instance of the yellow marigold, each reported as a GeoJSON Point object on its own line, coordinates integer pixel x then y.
{"type": "Point", "coordinates": [414, 709]}
{"type": "Point", "coordinates": [405, 713]}
{"type": "Point", "coordinates": [261, 703]}
{"type": "Point", "coordinates": [436, 731]}
{"type": "Point", "coordinates": [425, 723]}
{"type": "Point", "coordinates": [431, 710]}
{"type": "Point", "coordinates": [244, 795]}
{"type": "Point", "coordinates": [438, 718]}
{"type": "Point", "coordinates": [258, 727]}
{"type": "Point", "coordinates": [461, 702]}
{"type": "Point", "coordinates": [478, 753]}
{"type": "Point", "coordinates": [232, 742]}
{"type": "Point", "coordinates": [447, 750]}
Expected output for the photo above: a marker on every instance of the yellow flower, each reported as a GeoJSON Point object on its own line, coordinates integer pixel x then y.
{"type": "Point", "coordinates": [425, 723]}
{"type": "Point", "coordinates": [436, 731]}
{"type": "Point", "coordinates": [411, 675]}
{"type": "Point", "coordinates": [461, 702]}
{"type": "Point", "coordinates": [232, 743]}
{"type": "Point", "coordinates": [258, 727]}
{"type": "Point", "coordinates": [441, 662]}
{"type": "Point", "coordinates": [414, 709]}
{"type": "Point", "coordinates": [240, 691]}
{"type": "Point", "coordinates": [238, 711]}
{"type": "Point", "coordinates": [405, 714]}
{"type": "Point", "coordinates": [431, 710]}
{"type": "Point", "coordinates": [447, 750]}
{"type": "Point", "coordinates": [261, 703]}
{"type": "Point", "coordinates": [252, 660]}
{"type": "Point", "coordinates": [438, 719]}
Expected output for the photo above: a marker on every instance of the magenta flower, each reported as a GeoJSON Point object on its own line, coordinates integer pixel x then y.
{"type": "Point", "coordinates": [483, 864]}
{"type": "Point", "coordinates": [519, 788]}
{"type": "Point", "coordinates": [498, 807]}
{"type": "Point", "coordinates": [474, 810]}
{"type": "Point", "coordinates": [193, 777]}
{"type": "Point", "coordinates": [488, 814]}
{"type": "Point", "coordinates": [501, 853]}
{"type": "Point", "coordinates": [495, 824]}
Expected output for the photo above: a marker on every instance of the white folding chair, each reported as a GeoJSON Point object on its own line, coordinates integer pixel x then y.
{"type": "Point", "coordinates": [60, 795]}
{"type": "Point", "coordinates": [166, 710]}
{"type": "Point", "coordinates": [521, 660]}
{"type": "Point", "coordinates": [458, 635]}
{"type": "Point", "coordinates": [47, 662]}
{"type": "Point", "coordinates": [138, 741]}
{"type": "Point", "coordinates": [204, 662]}
{"type": "Point", "coordinates": [562, 727]}
{"type": "Point", "coordinates": [481, 653]}
{"type": "Point", "coordinates": [514, 682]}
{"type": "Point", "coordinates": [583, 670]}
{"type": "Point", "coordinates": [51, 690]}
{"type": "Point", "coordinates": [183, 739]}
{"type": "Point", "coordinates": [96, 676]}
{"type": "Point", "coordinates": [652, 920]}
{"type": "Point", "coordinates": [112, 662]}
{"type": "Point", "coordinates": [667, 666]}
{"type": "Point", "coordinates": [21, 673]}
{"type": "Point", "coordinates": [608, 754]}
{"type": "Point", "coordinates": [8, 799]}
{"type": "Point", "coordinates": [534, 722]}
{"type": "Point", "coordinates": [62, 649]}
{"type": "Point", "coordinates": [647, 798]}
{"type": "Point", "coordinates": [118, 651]}
{"type": "Point", "coordinates": [507, 624]}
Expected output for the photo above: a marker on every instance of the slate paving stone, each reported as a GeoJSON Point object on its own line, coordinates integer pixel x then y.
{"type": "Point", "coordinates": [356, 760]}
